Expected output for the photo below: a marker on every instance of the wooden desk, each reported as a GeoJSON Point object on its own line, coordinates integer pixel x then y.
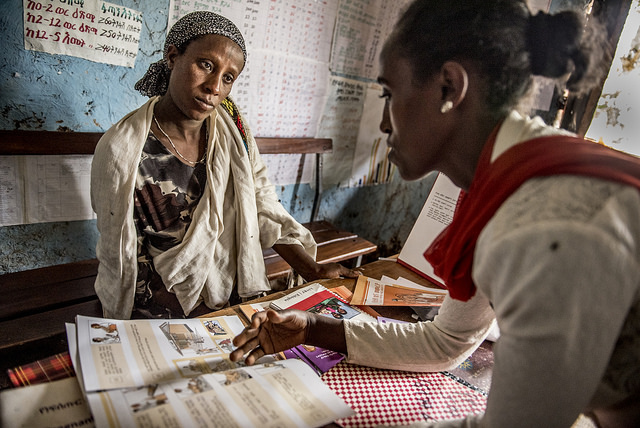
{"type": "Point", "coordinates": [475, 372]}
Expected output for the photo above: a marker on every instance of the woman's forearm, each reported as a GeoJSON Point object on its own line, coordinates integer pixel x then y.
{"type": "Point", "coordinates": [326, 333]}
{"type": "Point", "coordinates": [298, 258]}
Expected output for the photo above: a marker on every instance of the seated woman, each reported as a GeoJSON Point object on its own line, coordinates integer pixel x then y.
{"type": "Point", "coordinates": [182, 198]}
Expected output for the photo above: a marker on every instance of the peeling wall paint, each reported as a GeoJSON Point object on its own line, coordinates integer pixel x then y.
{"type": "Point", "coordinates": [36, 245]}
{"type": "Point", "coordinates": [615, 122]}
{"type": "Point", "coordinates": [40, 91]}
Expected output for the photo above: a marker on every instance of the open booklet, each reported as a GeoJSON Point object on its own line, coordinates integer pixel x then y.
{"type": "Point", "coordinates": [435, 216]}
{"type": "Point", "coordinates": [177, 373]}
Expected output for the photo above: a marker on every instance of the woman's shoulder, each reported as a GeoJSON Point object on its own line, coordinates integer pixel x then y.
{"type": "Point", "coordinates": [136, 122]}
{"type": "Point", "coordinates": [121, 145]}
{"type": "Point", "coordinates": [570, 197]}
{"type": "Point", "coordinates": [594, 203]}
{"type": "Point", "coordinates": [517, 128]}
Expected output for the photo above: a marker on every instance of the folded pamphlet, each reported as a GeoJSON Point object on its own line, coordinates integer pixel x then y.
{"type": "Point", "coordinates": [435, 216]}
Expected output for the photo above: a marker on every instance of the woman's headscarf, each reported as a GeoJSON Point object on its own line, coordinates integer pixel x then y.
{"type": "Point", "coordinates": [156, 79]}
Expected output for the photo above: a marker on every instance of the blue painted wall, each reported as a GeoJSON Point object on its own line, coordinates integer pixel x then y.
{"type": "Point", "coordinates": [40, 91]}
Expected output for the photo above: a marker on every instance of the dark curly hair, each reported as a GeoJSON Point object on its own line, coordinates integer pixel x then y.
{"type": "Point", "coordinates": [506, 43]}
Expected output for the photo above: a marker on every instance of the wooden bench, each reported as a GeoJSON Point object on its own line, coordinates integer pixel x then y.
{"type": "Point", "coordinates": [334, 245]}
{"type": "Point", "coordinates": [36, 303]}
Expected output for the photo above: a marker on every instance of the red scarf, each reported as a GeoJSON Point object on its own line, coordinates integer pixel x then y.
{"type": "Point", "coordinates": [451, 254]}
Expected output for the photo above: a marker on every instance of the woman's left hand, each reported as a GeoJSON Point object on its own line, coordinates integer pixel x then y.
{"type": "Point", "coordinates": [330, 271]}
{"type": "Point", "coordinates": [307, 267]}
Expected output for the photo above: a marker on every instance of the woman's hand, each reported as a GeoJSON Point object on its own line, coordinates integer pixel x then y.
{"type": "Point", "coordinates": [271, 332]}
{"type": "Point", "coordinates": [304, 264]}
{"type": "Point", "coordinates": [330, 271]}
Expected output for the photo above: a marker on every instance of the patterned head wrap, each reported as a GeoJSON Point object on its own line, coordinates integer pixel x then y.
{"type": "Point", "coordinates": [156, 79]}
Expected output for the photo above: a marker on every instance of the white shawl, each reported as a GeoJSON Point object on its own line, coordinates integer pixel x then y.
{"type": "Point", "coordinates": [202, 265]}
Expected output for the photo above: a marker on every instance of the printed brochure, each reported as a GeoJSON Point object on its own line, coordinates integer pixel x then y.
{"type": "Point", "coordinates": [177, 373]}
{"type": "Point", "coordinates": [374, 292]}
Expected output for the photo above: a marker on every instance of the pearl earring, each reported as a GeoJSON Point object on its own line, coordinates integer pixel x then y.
{"type": "Point", "coordinates": [446, 107]}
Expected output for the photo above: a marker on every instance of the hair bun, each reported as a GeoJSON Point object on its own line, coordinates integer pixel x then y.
{"type": "Point", "coordinates": [553, 42]}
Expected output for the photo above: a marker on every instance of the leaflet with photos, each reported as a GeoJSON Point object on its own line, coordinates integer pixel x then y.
{"type": "Point", "coordinates": [177, 373]}
{"type": "Point", "coordinates": [374, 292]}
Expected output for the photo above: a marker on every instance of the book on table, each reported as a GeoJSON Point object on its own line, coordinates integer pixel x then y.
{"type": "Point", "coordinates": [178, 373]}
{"type": "Point", "coordinates": [435, 216]}
{"type": "Point", "coordinates": [377, 396]}
{"type": "Point", "coordinates": [387, 292]}
{"type": "Point", "coordinates": [181, 376]}
{"type": "Point", "coordinates": [319, 359]}
{"type": "Point", "coordinates": [316, 298]}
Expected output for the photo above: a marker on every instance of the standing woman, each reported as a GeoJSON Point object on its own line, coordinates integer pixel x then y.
{"type": "Point", "coordinates": [546, 240]}
{"type": "Point", "coordinates": [182, 198]}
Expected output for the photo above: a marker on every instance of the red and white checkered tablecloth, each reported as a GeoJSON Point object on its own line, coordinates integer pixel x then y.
{"type": "Point", "coordinates": [397, 397]}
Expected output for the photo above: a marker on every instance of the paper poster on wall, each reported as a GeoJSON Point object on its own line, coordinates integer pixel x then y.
{"type": "Point", "coordinates": [90, 29]}
{"type": "Point", "coordinates": [340, 120]}
{"type": "Point", "coordinates": [58, 188]}
{"type": "Point", "coordinates": [362, 26]}
{"type": "Point", "coordinates": [543, 90]}
{"type": "Point", "coordinates": [370, 162]}
{"type": "Point", "coordinates": [284, 94]}
{"type": "Point", "coordinates": [11, 191]}
{"type": "Point", "coordinates": [39, 189]}
{"type": "Point", "coordinates": [536, 6]}
{"type": "Point", "coordinates": [289, 168]}
{"type": "Point", "coordinates": [543, 87]}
